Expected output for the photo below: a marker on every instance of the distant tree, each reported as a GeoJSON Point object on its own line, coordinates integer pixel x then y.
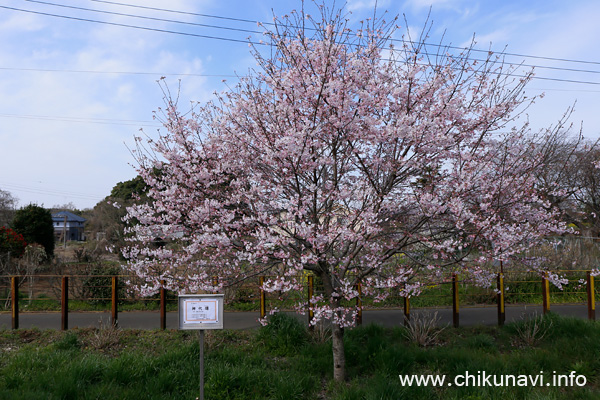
{"type": "Point", "coordinates": [587, 197]}
{"type": "Point", "coordinates": [8, 204]}
{"type": "Point", "coordinates": [568, 177]}
{"type": "Point", "coordinates": [35, 224]}
{"type": "Point", "coordinates": [67, 207]}
{"type": "Point", "coordinates": [129, 190]}
{"type": "Point", "coordinates": [339, 157]}
{"type": "Point", "coordinates": [107, 215]}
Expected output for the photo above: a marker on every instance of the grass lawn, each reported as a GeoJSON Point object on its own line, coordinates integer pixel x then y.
{"type": "Point", "coordinates": [285, 361]}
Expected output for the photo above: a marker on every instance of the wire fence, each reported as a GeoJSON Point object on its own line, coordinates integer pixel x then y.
{"type": "Point", "coordinates": [104, 292]}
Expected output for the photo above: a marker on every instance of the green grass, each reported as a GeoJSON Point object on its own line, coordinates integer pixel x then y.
{"type": "Point", "coordinates": [285, 361]}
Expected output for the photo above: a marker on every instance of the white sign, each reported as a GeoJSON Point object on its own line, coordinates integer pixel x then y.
{"type": "Point", "coordinates": [201, 311]}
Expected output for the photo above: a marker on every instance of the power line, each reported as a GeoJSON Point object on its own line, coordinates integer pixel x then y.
{"type": "Point", "coordinates": [102, 121]}
{"type": "Point", "coordinates": [393, 40]}
{"type": "Point", "coordinates": [132, 26]}
{"type": "Point", "coordinates": [116, 72]}
{"type": "Point", "coordinates": [236, 76]}
{"type": "Point", "coordinates": [259, 43]}
{"type": "Point", "coordinates": [185, 12]}
{"type": "Point", "coordinates": [564, 90]}
{"type": "Point", "coordinates": [144, 17]}
{"type": "Point", "coordinates": [257, 32]}
{"type": "Point", "coordinates": [50, 192]}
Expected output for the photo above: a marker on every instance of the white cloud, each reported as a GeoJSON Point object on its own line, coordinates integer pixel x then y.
{"type": "Point", "coordinates": [368, 5]}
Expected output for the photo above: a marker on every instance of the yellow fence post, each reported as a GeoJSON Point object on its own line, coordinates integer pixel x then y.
{"type": "Point", "coordinates": [406, 310]}
{"type": "Point", "coordinates": [501, 310]}
{"type": "Point", "coordinates": [215, 282]}
{"type": "Point", "coordinates": [545, 294]}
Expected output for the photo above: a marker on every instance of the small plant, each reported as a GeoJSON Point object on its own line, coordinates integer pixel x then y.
{"type": "Point", "coordinates": [423, 329]}
{"type": "Point", "coordinates": [105, 336]}
{"type": "Point", "coordinates": [532, 328]}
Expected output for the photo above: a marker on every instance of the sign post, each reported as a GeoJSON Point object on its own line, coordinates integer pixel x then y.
{"type": "Point", "coordinates": [200, 312]}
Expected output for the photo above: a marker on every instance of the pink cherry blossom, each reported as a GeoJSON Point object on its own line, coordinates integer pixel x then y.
{"type": "Point", "coordinates": [345, 157]}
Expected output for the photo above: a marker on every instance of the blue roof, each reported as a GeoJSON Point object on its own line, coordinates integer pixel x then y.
{"type": "Point", "coordinates": [60, 216]}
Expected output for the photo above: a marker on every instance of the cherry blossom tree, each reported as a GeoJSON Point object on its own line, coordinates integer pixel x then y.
{"type": "Point", "coordinates": [348, 155]}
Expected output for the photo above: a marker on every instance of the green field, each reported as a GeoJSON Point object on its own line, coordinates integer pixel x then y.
{"type": "Point", "coordinates": [285, 361]}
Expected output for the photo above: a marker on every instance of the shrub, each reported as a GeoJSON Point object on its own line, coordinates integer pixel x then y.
{"type": "Point", "coordinates": [35, 224]}
{"type": "Point", "coordinates": [11, 242]}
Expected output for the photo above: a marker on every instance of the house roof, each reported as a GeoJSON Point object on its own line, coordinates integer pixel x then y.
{"type": "Point", "coordinates": [60, 216]}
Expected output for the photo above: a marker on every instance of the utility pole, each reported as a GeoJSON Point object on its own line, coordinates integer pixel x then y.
{"type": "Point", "coordinates": [65, 232]}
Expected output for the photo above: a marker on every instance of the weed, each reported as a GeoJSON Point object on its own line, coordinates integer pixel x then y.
{"type": "Point", "coordinates": [105, 337]}
{"type": "Point", "coordinates": [423, 330]}
{"type": "Point", "coordinates": [532, 328]}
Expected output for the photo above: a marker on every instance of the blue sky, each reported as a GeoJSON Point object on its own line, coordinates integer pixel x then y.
{"type": "Point", "coordinates": [74, 93]}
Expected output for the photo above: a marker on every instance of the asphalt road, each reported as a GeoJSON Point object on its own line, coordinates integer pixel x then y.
{"type": "Point", "coordinates": [249, 320]}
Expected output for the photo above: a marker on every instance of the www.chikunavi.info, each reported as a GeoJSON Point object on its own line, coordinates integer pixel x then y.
{"type": "Point", "coordinates": [483, 379]}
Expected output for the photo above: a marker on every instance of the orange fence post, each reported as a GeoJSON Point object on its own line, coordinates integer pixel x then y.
{"type": "Point", "coordinates": [455, 319]}
{"type": "Point", "coordinates": [263, 306]}
{"type": "Point", "coordinates": [501, 310]}
{"type": "Point", "coordinates": [311, 314]}
{"type": "Point", "coordinates": [14, 293]}
{"type": "Point", "coordinates": [163, 306]}
{"type": "Point", "coordinates": [64, 303]}
{"type": "Point", "coordinates": [114, 300]}
{"type": "Point", "coordinates": [545, 294]}
{"type": "Point", "coordinates": [591, 295]}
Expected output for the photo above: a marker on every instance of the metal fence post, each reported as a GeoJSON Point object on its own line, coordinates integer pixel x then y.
{"type": "Point", "coordinates": [591, 295]}
{"type": "Point", "coordinates": [14, 294]}
{"type": "Point", "coordinates": [311, 313]}
{"type": "Point", "coordinates": [64, 303]}
{"type": "Point", "coordinates": [114, 300]}
{"type": "Point", "coordinates": [455, 319]}
{"type": "Point", "coordinates": [501, 310]}
{"type": "Point", "coordinates": [545, 294]}
{"type": "Point", "coordinates": [263, 306]}
{"type": "Point", "coordinates": [163, 306]}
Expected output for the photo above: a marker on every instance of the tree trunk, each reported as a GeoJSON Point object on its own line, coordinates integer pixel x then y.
{"type": "Point", "coordinates": [339, 357]}
{"type": "Point", "coordinates": [337, 337]}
